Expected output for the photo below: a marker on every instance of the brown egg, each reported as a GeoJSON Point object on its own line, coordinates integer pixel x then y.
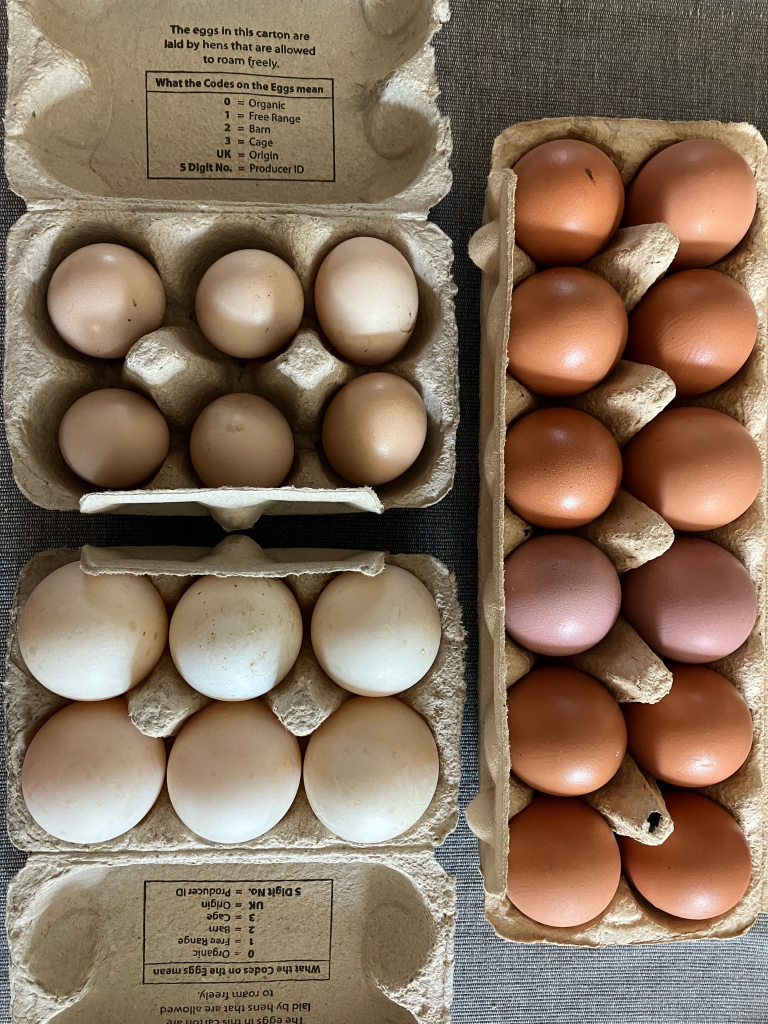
{"type": "Point", "coordinates": [241, 440]}
{"type": "Point", "coordinates": [564, 864]}
{"type": "Point", "coordinates": [704, 191]}
{"type": "Point", "coordinates": [697, 468]}
{"type": "Point", "coordinates": [701, 870]}
{"type": "Point", "coordinates": [114, 438]}
{"type": "Point", "coordinates": [562, 595]}
{"type": "Point", "coordinates": [249, 303]}
{"type": "Point", "coordinates": [567, 330]}
{"type": "Point", "coordinates": [699, 326]}
{"type": "Point", "coordinates": [562, 468]}
{"type": "Point", "coordinates": [566, 732]}
{"type": "Point", "coordinates": [366, 299]}
{"type": "Point", "coordinates": [374, 429]}
{"type": "Point", "coordinates": [695, 603]}
{"type": "Point", "coordinates": [568, 201]}
{"type": "Point", "coordinates": [103, 298]}
{"type": "Point", "coordinates": [697, 735]}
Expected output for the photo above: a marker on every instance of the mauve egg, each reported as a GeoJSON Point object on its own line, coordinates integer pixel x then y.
{"type": "Point", "coordinates": [567, 330]}
{"type": "Point", "coordinates": [568, 201]}
{"type": "Point", "coordinates": [695, 603]}
{"type": "Point", "coordinates": [699, 734]}
{"type": "Point", "coordinates": [562, 468]}
{"type": "Point", "coordinates": [697, 468]}
{"type": "Point", "coordinates": [566, 732]}
{"type": "Point", "coordinates": [564, 866]}
{"type": "Point", "coordinates": [704, 191]}
{"type": "Point", "coordinates": [701, 870]}
{"type": "Point", "coordinates": [699, 326]}
{"type": "Point", "coordinates": [562, 594]}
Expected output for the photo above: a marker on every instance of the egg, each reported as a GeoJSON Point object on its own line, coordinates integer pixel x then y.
{"type": "Point", "coordinates": [698, 468]}
{"type": "Point", "coordinates": [241, 440]}
{"type": "Point", "coordinates": [114, 438]}
{"type": "Point", "coordinates": [371, 769]}
{"type": "Point", "coordinates": [701, 870]}
{"type": "Point", "coordinates": [233, 772]}
{"type": "Point", "coordinates": [568, 201]}
{"type": "Point", "coordinates": [376, 635]}
{"type": "Point", "coordinates": [249, 303]}
{"type": "Point", "coordinates": [564, 865]}
{"type": "Point", "coordinates": [562, 595]}
{"type": "Point", "coordinates": [562, 468]}
{"type": "Point", "coordinates": [567, 330]}
{"type": "Point", "coordinates": [374, 429]}
{"type": "Point", "coordinates": [704, 191]}
{"type": "Point", "coordinates": [89, 775]}
{"type": "Point", "coordinates": [103, 298]}
{"type": "Point", "coordinates": [698, 735]}
{"type": "Point", "coordinates": [566, 732]}
{"type": "Point", "coordinates": [695, 603]}
{"type": "Point", "coordinates": [699, 326]}
{"type": "Point", "coordinates": [92, 637]}
{"type": "Point", "coordinates": [366, 300]}
{"type": "Point", "coordinates": [235, 637]}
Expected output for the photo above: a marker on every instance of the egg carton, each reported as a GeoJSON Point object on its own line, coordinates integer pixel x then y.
{"type": "Point", "coordinates": [629, 532]}
{"type": "Point", "coordinates": [391, 148]}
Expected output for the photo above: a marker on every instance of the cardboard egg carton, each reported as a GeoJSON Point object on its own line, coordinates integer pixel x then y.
{"type": "Point", "coordinates": [91, 178]}
{"type": "Point", "coordinates": [628, 532]}
{"type": "Point", "coordinates": [377, 919]}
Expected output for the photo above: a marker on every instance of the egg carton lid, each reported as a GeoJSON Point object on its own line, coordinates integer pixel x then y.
{"type": "Point", "coordinates": [113, 102]}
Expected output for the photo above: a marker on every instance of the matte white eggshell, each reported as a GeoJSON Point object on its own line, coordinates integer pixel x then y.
{"type": "Point", "coordinates": [376, 635]}
{"type": "Point", "coordinates": [233, 772]}
{"type": "Point", "coordinates": [235, 638]}
{"type": "Point", "coordinates": [92, 637]}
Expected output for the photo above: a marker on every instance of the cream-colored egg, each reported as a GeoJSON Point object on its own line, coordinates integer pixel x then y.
{"type": "Point", "coordinates": [371, 769]}
{"type": "Point", "coordinates": [233, 772]}
{"type": "Point", "coordinates": [366, 299]}
{"type": "Point", "coordinates": [92, 637]}
{"type": "Point", "coordinates": [376, 635]}
{"type": "Point", "coordinates": [235, 638]}
{"type": "Point", "coordinates": [89, 775]}
{"type": "Point", "coordinates": [249, 303]}
{"type": "Point", "coordinates": [103, 298]}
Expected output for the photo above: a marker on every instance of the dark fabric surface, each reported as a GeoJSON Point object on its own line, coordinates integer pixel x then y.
{"type": "Point", "coordinates": [501, 62]}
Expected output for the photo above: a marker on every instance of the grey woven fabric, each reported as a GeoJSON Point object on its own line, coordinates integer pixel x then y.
{"type": "Point", "coordinates": [500, 62]}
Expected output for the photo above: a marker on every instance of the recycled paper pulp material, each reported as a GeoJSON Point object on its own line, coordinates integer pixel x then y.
{"type": "Point", "coordinates": [135, 138]}
{"type": "Point", "coordinates": [628, 532]}
{"type": "Point", "coordinates": [152, 916]}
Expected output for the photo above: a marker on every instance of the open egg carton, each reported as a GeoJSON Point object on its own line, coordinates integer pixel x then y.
{"type": "Point", "coordinates": [629, 533]}
{"type": "Point", "coordinates": [90, 144]}
{"type": "Point", "coordinates": [378, 919]}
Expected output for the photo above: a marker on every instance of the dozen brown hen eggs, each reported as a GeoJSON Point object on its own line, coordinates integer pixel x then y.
{"type": "Point", "coordinates": [695, 466]}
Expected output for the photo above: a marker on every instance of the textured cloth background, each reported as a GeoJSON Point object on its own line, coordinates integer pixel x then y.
{"type": "Point", "coordinates": [501, 61]}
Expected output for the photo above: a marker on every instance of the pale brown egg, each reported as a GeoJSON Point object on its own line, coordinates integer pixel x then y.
{"type": "Point", "coordinates": [704, 191]}
{"type": "Point", "coordinates": [241, 440]}
{"type": "Point", "coordinates": [562, 468]}
{"type": "Point", "coordinates": [568, 201]}
{"type": "Point", "coordinates": [698, 735]}
{"type": "Point", "coordinates": [699, 326]}
{"type": "Point", "coordinates": [114, 438]}
{"type": "Point", "coordinates": [249, 303]}
{"type": "Point", "coordinates": [701, 870]}
{"type": "Point", "coordinates": [366, 300]}
{"type": "Point", "coordinates": [564, 865]}
{"type": "Point", "coordinates": [567, 330]}
{"type": "Point", "coordinates": [374, 429]}
{"type": "Point", "coordinates": [697, 468]}
{"type": "Point", "coordinates": [103, 298]}
{"type": "Point", "coordinates": [695, 603]}
{"type": "Point", "coordinates": [566, 732]}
